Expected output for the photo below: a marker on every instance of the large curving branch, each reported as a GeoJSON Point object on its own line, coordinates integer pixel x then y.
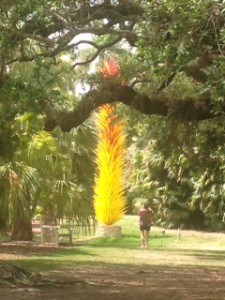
{"type": "Point", "coordinates": [63, 44]}
{"type": "Point", "coordinates": [67, 47]}
{"type": "Point", "coordinates": [75, 14]}
{"type": "Point", "coordinates": [184, 109]}
{"type": "Point", "coordinates": [57, 32]}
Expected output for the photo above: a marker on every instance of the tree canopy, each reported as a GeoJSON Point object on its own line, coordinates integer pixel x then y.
{"type": "Point", "coordinates": [171, 67]}
{"type": "Point", "coordinates": [168, 43]}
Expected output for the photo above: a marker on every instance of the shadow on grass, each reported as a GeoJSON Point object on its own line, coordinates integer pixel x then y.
{"type": "Point", "coordinates": [39, 265]}
{"type": "Point", "coordinates": [37, 250]}
{"type": "Point", "coordinates": [126, 241]}
{"type": "Point", "coordinates": [85, 253]}
{"type": "Point", "coordinates": [200, 254]}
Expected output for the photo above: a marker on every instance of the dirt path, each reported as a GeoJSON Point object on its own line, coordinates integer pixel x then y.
{"type": "Point", "coordinates": [127, 284]}
{"type": "Point", "coordinates": [118, 282]}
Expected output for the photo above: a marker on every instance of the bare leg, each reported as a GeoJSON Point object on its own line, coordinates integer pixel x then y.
{"type": "Point", "coordinates": [146, 238]}
{"type": "Point", "coordinates": [142, 236]}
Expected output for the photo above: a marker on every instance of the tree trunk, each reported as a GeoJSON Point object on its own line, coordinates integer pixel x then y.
{"type": "Point", "coordinates": [22, 230]}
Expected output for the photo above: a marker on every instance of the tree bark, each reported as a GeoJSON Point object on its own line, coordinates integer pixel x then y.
{"type": "Point", "coordinates": [189, 109]}
{"type": "Point", "coordinates": [22, 230]}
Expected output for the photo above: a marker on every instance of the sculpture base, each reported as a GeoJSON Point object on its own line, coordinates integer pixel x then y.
{"type": "Point", "coordinates": [108, 231]}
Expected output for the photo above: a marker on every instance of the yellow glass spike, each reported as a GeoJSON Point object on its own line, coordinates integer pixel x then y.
{"type": "Point", "coordinates": [109, 198]}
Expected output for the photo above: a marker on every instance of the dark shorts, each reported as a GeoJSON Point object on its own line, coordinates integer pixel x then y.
{"type": "Point", "coordinates": [147, 228]}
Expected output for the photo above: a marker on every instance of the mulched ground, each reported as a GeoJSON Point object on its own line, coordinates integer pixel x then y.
{"type": "Point", "coordinates": [126, 284]}
{"type": "Point", "coordinates": [115, 282]}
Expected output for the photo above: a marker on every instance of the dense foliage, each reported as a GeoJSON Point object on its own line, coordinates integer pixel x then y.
{"type": "Point", "coordinates": [171, 56]}
{"type": "Point", "coordinates": [180, 168]}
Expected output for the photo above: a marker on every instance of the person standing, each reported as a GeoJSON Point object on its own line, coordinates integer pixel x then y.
{"type": "Point", "coordinates": [145, 220]}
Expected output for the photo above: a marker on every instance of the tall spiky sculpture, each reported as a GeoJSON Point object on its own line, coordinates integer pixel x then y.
{"type": "Point", "coordinates": [109, 199]}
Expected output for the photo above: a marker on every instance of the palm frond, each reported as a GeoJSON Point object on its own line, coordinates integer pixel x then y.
{"type": "Point", "coordinates": [20, 184]}
{"type": "Point", "coordinates": [42, 141]}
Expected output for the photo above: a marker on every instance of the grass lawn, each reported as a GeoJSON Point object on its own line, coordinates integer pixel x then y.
{"type": "Point", "coordinates": [167, 249]}
{"type": "Point", "coordinates": [189, 266]}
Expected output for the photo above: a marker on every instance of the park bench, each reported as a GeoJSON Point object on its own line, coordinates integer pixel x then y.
{"type": "Point", "coordinates": [36, 226]}
{"type": "Point", "coordinates": [64, 230]}
{"type": "Point", "coordinates": [61, 231]}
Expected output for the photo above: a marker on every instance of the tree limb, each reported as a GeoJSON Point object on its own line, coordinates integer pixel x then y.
{"type": "Point", "coordinates": [99, 50]}
{"type": "Point", "coordinates": [167, 81]}
{"type": "Point", "coordinates": [192, 69]}
{"type": "Point", "coordinates": [24, 35]}
{"type": "Point", "coordinates": [195, 68]}
{"type": "Point", "coordinates": [185, 109]}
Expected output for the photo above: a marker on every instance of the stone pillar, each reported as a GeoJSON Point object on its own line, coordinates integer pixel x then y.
{"type": "Point", "coordinates": [50, 235]}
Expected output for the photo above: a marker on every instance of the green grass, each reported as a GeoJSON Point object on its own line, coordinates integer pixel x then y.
{"type": "Point", "coordinates": [165, 250]}
{"type": "Point", "coordinates": [4, 238]}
